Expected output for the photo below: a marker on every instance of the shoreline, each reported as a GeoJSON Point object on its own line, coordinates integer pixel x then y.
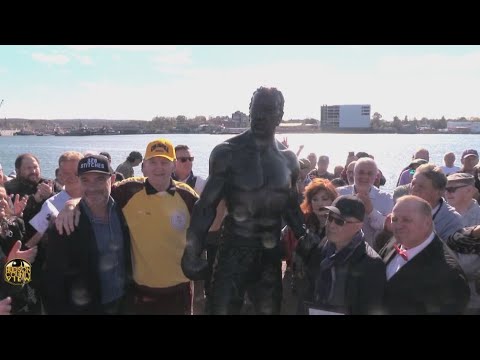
{"type": "Point", "coordinates": [279, 131]}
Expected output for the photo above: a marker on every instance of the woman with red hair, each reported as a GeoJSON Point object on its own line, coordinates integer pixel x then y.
{"type": "Point", "coordinates": [319, 193]}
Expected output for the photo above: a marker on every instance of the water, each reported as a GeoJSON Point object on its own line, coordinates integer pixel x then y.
{"type": "Point", "coordinates": [392, 151]}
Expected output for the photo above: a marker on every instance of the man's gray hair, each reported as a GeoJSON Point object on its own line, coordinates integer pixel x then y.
{"type": "Point", "coordinates": [365, 160]}
{"type": "Point", "coordinates": [434, 174]}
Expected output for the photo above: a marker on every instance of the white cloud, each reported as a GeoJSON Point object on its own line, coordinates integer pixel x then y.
{"type": "Point", "coordinates": [183, 57]}
{"type": "Point", "coordinates": [417, 86]}
{"type": "Point", "coordinates": [431, 63]}
{"type": "Point", "coordinates": [84, 59]}
{"type": "Point", "coordinates": [209, 91]}
{"type": "Point", "coordinates": [57, 59]}
{"type": "Point", "coordinates": [427, 86]}
{"type": "Point", "coordinates": [123, 47]}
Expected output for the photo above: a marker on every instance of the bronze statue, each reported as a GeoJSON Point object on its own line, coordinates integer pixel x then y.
{"type": "Point", "coordinates": [257, 177]}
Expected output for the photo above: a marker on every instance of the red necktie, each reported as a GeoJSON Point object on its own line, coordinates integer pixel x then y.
{"type": "Point", "coordinates": [401, 252]}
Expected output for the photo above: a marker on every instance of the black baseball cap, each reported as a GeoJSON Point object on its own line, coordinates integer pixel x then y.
{"type": "Point", "coordinates": [94, 163]}
{"type": "Point", "coordinates": [348, 206]}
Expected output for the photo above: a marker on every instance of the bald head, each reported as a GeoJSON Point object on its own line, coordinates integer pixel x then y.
{"type": "Point", "coordinates": [411, 221]}
{"type": "Point", "coordinates": [421, 205]}
{"type": "Point", "coordinates": [449, 159]}
{"type": "Point", "coordinates": [422, 154]}
{"type": "Point", "coordinates": [350, 172]}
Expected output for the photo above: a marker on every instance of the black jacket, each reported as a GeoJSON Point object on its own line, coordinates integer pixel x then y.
{"type": "Point", "coordinates": [365, 283]}
{"type": "Point", "coordinates": [21, 187]}
{"type": "Point", "coordinates": [72, 263]}
{"type": "Point", "coordinates": [430, 283]}
{"type": "Point", "coordinates": [25, 299]}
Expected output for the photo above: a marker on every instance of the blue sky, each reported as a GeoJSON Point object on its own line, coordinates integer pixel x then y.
{"type": "Point", "coordinates": [143, 81]}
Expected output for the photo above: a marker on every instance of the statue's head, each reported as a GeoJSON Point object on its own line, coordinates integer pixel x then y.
{"type": "Point", "coordinates": [266, 111]}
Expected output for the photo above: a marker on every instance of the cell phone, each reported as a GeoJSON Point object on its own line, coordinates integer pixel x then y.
{"type": "Point", "coordinates": [47, 181]}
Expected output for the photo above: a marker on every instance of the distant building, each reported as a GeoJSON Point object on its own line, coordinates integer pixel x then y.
{"type": "Point", "coordinates": [239, 119]}
{"type": "Point", "coordinates": [345, 117]}
{"type": "Point", "coordinates": [463, 126]}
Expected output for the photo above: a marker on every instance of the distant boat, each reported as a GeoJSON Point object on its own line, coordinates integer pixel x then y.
{"type": "Point", "coordinates": [233, 130]}
{"type": "Point", "coordinates": [459, 130]}
{"type": "Point", "coordinates": [83, 131]}
{"type": "Point", "coordinates": [24, 132]}
{"type": "Point", "coordinates": [224, 130]}
{"type": "Point", "coordinates": [105, 131]}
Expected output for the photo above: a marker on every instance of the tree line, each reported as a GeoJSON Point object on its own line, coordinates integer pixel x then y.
{"type": "Point", "coordinates": [378, 123]}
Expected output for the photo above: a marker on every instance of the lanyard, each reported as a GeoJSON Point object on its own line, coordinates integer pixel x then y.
{"type": "Point", "coordinates": [436, 212]}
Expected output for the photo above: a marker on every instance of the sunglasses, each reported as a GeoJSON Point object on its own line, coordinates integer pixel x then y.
{"type": "Point", "coordinates": [339, 221]}
{"type": "Point", "coordinates": [453, 189]}
{"type": "Point", "coordinates": [185, 159]}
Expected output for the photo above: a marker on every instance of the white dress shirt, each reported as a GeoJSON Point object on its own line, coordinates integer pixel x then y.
{"type": "Point", "coordinates": [50, 207]}
{"type": "Point", "coordinates": [397, 262]}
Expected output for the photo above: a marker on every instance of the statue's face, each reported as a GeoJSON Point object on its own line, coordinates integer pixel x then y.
{"type": "Point", "coordinates": [265, 115]}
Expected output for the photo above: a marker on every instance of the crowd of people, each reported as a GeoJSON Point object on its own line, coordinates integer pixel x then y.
{"type": "Point", "coordinates": [268, 232]}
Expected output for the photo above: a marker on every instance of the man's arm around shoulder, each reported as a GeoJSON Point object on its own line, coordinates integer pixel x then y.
{"type": "Point", "coordinates": [69, 217]}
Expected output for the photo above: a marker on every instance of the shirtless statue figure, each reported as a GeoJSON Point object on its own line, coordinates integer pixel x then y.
{"type": "Point", "coordinates": [257, 177]}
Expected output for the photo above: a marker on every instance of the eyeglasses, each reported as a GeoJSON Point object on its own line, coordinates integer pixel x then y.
{"type": "Point", "coordinates": [185, 159]}
{"type": "Point", "coordinates": [339, 221]}
{"type": "Point", "coordinates": [453, 189]}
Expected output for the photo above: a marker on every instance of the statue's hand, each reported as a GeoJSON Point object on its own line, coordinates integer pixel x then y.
{"type": "Point", "coordinates": [299, 267]}
{"type": "Point", "coordinates": [306, 244]}
{"type": "Point", "coordinates": [194, 267]}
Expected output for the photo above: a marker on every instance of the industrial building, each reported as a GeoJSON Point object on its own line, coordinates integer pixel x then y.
{"type": "Point", "coordinates": [344, 117]}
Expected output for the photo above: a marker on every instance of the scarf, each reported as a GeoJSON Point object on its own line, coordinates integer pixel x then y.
{"type": "Point", "coordinates": [325, 279]}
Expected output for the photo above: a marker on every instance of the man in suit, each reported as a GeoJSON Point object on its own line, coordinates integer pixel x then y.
{"type": "Point", "coordinates": [423, 276]}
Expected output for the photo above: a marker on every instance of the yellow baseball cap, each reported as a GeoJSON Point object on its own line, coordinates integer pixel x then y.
{"type": "Point", "coordinates": [160, 147]}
